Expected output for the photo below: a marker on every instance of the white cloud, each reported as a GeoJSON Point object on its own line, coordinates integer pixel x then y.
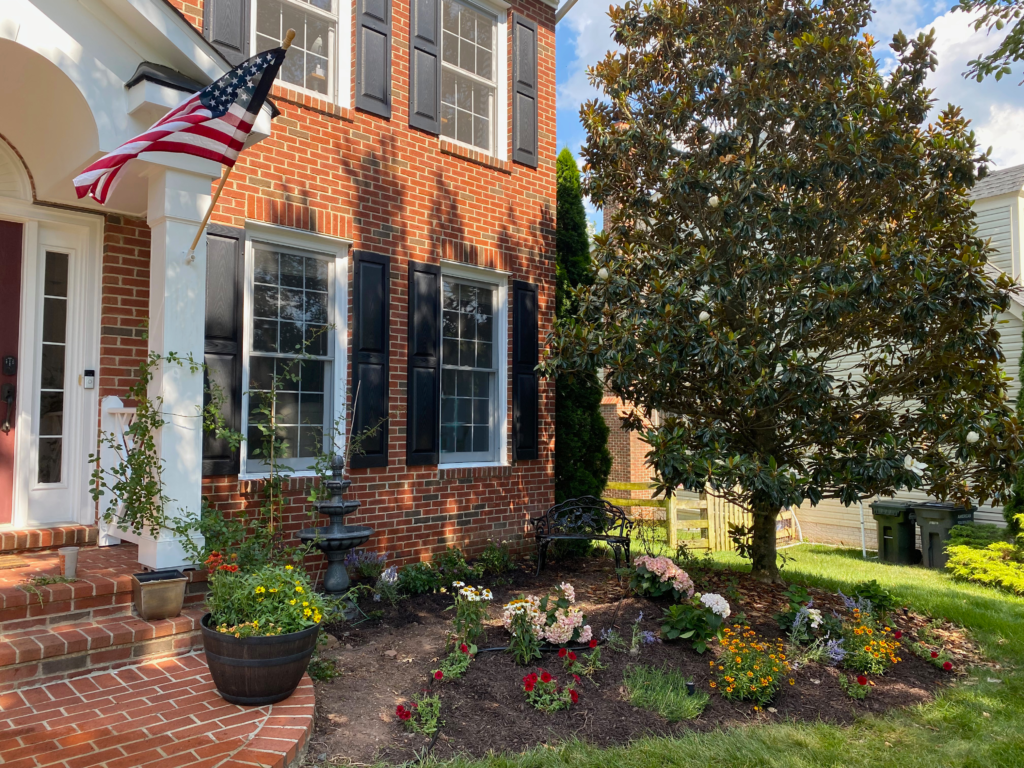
{"type": "Point", "coordinates": [991, 106]}
{"type": "Point", "coordinates": [591, 40]}
{"type": "Point", "coordinates": [585, 34]}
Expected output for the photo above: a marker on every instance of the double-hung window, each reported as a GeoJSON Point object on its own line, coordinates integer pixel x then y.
{"type": "Point", "coordinates": [468, 75]}
{"type": "Point", "coordinates": [311, 63]}
{"type": "Point", "coordinates": [470, 418]}
{"type": "Point", "coordinates": [291, 353]}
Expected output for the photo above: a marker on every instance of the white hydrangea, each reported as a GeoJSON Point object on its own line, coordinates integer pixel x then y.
{"type": "Point", "coordinates": [718, 604]}
{"type": "Point", "coordinates": [814, 616]}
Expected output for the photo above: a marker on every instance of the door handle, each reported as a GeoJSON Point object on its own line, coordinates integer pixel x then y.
{"type": "Point", "coordinates": [7, 395]}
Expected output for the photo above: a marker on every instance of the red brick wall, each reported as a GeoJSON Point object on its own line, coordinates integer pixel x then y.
{"type": "Point", "coordinates": [412, 196]}
{"type": "Point", "coordinates": [125, 302]}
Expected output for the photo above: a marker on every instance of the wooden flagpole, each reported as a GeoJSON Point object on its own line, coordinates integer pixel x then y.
{"type": "Point", "coordinates": [191, 255]}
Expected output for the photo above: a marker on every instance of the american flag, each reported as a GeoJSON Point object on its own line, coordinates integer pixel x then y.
{"type": "Point", "coordinates": [213, 123]}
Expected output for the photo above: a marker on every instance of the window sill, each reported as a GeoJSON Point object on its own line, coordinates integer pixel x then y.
{"type": "Point", "coordinates": [316, 104]}
{"type": "Point", "coordinates": [449, 147]}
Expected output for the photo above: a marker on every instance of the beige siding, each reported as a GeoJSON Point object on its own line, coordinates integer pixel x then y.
{"type": "Point", "coordinates": [996, 225]}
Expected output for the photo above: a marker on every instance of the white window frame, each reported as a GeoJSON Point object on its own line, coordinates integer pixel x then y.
{"type": "Point", "coordinates": [499, 10]}
{"type": "Point", "coordinates": [302, 244]}
{"type": "Point", "coordinates": [344, 51]}
{"type": "Point", "coordinates": [499, 279]}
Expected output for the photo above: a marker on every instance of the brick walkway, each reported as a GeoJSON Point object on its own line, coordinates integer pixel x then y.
{"type": "Point", "coordinates": [163, 714]}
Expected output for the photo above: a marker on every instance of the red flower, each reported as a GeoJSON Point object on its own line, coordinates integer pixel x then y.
{"type": "Point", "coordinates": [464, 648]}
{"type": "Point", "coordinates": [947, 666]}
{"type": "Point", "coordinates": [572, 656]}
{"type": "Point", "coordinates": [935, 654]}
{"type": "Point", "coordinates": [403, 713]}
{"type": "Point", "coordinates": [576, 678]}
{"type": "Point", "coordinates": [439, 675]}
{"type": "Point", "coordinates": [897, 634]}
{"type": "Point", "coordinates": [574, 696]}
{"type": "Point", "coordinates": [528, 684]}
{"type": "Point", "coordinates": [593, 643]}
{"type": "Point", "coordinates": [545, 677]}
{"type": "Point", "coordinates": [862, 680]}
{"type": "Point", "coordinates": [562, 652]}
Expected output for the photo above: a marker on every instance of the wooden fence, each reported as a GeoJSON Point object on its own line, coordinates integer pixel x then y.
{"type": "Point", "coordinates": [697, 523]}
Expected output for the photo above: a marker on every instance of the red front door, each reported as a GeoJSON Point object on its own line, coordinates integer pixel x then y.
{"type": "Point", "coordinates": [10, 305]}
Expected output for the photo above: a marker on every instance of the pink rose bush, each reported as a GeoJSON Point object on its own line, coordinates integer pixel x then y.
{"type": "Point", "coordinates": [657, 576]}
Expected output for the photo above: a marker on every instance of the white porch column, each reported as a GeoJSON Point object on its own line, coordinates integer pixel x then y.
{"type": "Point", "coordinates": [178, 199]}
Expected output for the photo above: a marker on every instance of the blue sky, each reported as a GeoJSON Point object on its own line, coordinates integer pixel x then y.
{"type": "Point", "coordinates": [995, 109]}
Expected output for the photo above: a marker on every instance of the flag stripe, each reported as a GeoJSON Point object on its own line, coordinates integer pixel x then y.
{"type": "Point", "coordinates": [212, 124]}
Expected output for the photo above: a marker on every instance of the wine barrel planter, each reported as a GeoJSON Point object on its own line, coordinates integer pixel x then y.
{"type": "Point", "coordinates": [255, 671]}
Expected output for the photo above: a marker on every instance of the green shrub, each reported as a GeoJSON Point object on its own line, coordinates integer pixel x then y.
{"type": "Point", "coordinates": [997, 565]}
{"type": "Point", "coordinates": [663, 691]}
{"type": "Point", "coordinates": [694, 621]}
{"type": "Point", "coordinates": [450, 565]}
{"type": "Point", "coordinates": [978, 535]}
{"type": "Point", "coordinates": [497, 559]}
{"type": "Point", "coordinates": [882, 601]}
{"type": "Point", "coordinates": [417, 579]}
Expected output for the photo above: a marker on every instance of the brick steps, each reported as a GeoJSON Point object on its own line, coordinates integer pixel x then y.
{"type": "Point", "coordinates": [162, 714]}
{"type": "Point", "coordinates": [26, 539]}
{"type": "Point", "coordinates": [42, 654]}
{"type": "Point", "coordinates": [104, 589]}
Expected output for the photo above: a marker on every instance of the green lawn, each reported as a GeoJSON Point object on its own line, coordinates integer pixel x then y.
{"type": "Point", "coordinates": [981, 724]}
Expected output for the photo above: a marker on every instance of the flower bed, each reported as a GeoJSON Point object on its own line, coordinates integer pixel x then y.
{"type": "Point", "coordinates": [488, 707]}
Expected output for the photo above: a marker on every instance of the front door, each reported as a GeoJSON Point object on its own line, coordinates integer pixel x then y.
{"type": "Point", "coordinates": [49, 301]}
{"type": "Point", "coordinates": [10, 314]}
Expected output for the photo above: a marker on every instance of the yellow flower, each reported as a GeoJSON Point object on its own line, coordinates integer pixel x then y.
{"type": "Point", "coordinates": [292, 602]}
{"type": "Point", "coordinates": [299, 590]}
{"type": "Point", "coordinates": [273, 590]}
{"type": "Point", "coordinates": [713, 685]}
{"type": "Point", "coordinates": [792, 681]}
{"type": "Point", "coordinates": [307, 612]}
{"type": "Point", "coordinates": [288, 568]}
{"type": "Point", "coordinates": [260, 590]}
{"type": "Point", "coordinates": [305, 604]}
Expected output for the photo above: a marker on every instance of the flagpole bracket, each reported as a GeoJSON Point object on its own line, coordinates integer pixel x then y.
{"type": "Point", "coordinates": [190, 257]}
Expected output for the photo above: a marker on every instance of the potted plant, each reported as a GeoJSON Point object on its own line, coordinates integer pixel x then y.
{"type": "Point", "coordinates": [159, 594]}
{"type": "Point", "coordinates": [261, 630]}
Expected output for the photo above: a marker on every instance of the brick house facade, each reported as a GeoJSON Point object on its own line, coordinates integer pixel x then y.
{"type": "Point", "coordinates": [335, 182]}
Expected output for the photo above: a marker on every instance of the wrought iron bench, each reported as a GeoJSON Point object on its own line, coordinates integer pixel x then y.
{"type": "Point", "coordinates": [584, 519]}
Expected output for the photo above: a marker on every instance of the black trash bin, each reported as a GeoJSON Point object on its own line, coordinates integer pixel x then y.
{"type": "Point", "coordinates": [935, 519]}
{"type": "Point", "coordinates": [896, 540]}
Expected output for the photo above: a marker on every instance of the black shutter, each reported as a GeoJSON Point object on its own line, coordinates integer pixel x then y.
{"type": "Point", "coordinates": [424, 385]}
{"type": "Point", "coordinates": [225, 286]}
{"type": "Point", "coordinates": [525, 395]}
{"type": "Point", "coordinates": [425, 65]}
{"type": "Point", "coordinates": [226, 25]}
{"type": "Point", "coordinates": [370, 314]}
{"type": "Point", "coordinates": [373, 56]}
{"type": "Point", "coordinates": [524, 90]}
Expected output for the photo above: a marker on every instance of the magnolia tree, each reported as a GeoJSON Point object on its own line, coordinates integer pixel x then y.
{"type": "Point", "coordinates": [791, 275]}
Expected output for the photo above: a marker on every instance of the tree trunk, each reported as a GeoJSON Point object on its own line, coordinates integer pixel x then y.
{"type": "Point", "coordinates": [762, 542]}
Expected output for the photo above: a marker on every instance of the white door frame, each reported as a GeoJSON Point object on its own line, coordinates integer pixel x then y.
{"type": "Point", "coordinates": [80, 235]}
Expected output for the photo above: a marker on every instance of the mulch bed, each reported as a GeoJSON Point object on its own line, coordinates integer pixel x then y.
{"type": "Point", "coordinates": [382, 663]}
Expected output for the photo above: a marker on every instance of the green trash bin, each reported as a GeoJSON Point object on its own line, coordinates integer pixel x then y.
{"type": "Point", "coordinates": [935, 519]}
{"type": "Point", "coordinates": [896, 540]}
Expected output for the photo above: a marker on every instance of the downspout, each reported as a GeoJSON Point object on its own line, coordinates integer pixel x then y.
{"type": "Point", "coordinates": [863, 538]}
{"type": "Point", "coordinates": [560, 13]}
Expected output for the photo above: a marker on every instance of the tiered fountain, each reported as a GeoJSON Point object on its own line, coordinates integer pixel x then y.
{"type": "Point", "coordinates": [336, 539]}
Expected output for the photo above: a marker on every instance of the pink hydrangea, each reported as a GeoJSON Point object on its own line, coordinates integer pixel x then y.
{"type": "Point", "coordinates": [667, 571]}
